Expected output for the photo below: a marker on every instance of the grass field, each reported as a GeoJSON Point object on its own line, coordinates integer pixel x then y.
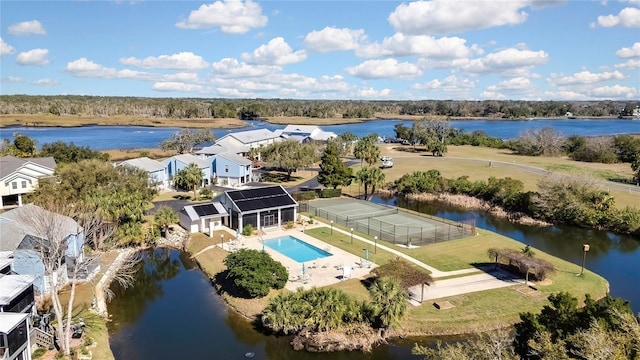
{"type": "Point", "coordinates": [408, 162]}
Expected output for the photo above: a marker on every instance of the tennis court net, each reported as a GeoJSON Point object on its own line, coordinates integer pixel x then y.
{"type": "Point", "coordinates": [371, 215]}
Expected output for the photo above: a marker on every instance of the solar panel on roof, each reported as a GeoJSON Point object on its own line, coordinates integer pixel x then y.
{"type": "Point", "coordinates": [205, 210]}
{"type": "Point", "coordinates": [261, 198]}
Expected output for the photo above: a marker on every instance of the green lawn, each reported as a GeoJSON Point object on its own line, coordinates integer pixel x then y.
{"type": "Point", "coordinates": [474, 311]}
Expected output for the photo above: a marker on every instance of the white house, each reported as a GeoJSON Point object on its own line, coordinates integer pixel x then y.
{"type": "Point", "coordinates": [306, 133]}
{"type": "Point", "coordinates": [203, 217]}
{"type": "Point", "coordinates": [247, 140]}
{"type": "Point", "coordinates": [156, 171]}
{"type": "Point", "coordinates": [20, 176]}
{"type": "Point", "coordinates": [15, 341]}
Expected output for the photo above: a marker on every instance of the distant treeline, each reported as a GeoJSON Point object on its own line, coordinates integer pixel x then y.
{"type": "Point", "coordinates": [249, 109]}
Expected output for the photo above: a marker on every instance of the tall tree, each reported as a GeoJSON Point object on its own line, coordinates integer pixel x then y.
{"type": "Point", "coordinates": [69, 152]}
{"type": "Point", "coordinates": [189, 178]}
{"type": "Point", "coordinates": [334, 172]}
{"type": "Point", "coordinates": [433, 134]}
{"type": "Point", "coordinates": [367, 150]}
{"type": "Point", "coordinates": [184, 140]}
{"type": "Point", "coordinates": [289, 155]}
{"type": "Point", "coordinates": [370, 177]}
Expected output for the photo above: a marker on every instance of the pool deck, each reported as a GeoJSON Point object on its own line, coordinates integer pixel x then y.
{"type": "Point", "coordinates": [322, 272]}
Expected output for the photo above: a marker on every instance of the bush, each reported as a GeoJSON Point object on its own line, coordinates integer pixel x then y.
{"type": "Point", "coordinates": [305, 195]}
{"type": "Point", "coordinates": [37, 353]}
{"type": "Point", "coordinates": [330, 193]}
{"type": "Point", "coordinates": [247, 230]}
{"type": "Point", "coordinates": [254, 272]}
{"type": "Point", "coordinates": [206, 193]}
{"type": "Point", "coordinates": [289, 225]}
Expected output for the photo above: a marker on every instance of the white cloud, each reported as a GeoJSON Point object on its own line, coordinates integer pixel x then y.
{"type": "Point", "coordinates": [33, 27]}
{"type": "Point", "coordinates": [490, 95]}
{"type": "Point", "coordinates": [334, 39]}
{"type": "Point", "coordinates": [632, 52]}
{"type": "Point", "coordinates": [232, 16]}
{"type": "Point", "coordinates": [232, 68]}
{"type": "Point", "coordinates": [12, 79]}
{"type": "Point", "coordinates": [615, 92]}
{"type": "Point", "coordinates": [419, 45]}
{"type": "Point", "coordinates": [587, 77]}
{"type": "Point", "coordinates": [86, 68]}
{"type": "Point", "coordinates": [35, 57]}
{"type": "Point", "coordinates": [506, 61]}
{"type": "Point", "coordinates": [179, 61]}
{"type": "Point", "coordinates": [6, 49]}
{"type": "Point", "coordinates": [371, 93]}
{"type": "Point", "coordinates": [384, 69]}
{"type": "Point", "coordinates": [630, 64]}
{"type": "Point", "coordinates": [45, 82]}
{"type": "Point", "coordinates": [176, 86]}
{"type": "Point", "coordinates": [187, 77]}
{"type": "Point", "coordinates": [517, 85]}
{"type": "Point", "coordinates": [282, 85]}
{"type": "Point", "coordinates": [565, 95]}
{"type": "Point", "coordinates": [452, 86]}
{"type": "Point", "coordinates": [627, 17]}
{"type": "Point", "coordinates": [447, 16]}
{"type": "Point", "coordinates": [275, 52]}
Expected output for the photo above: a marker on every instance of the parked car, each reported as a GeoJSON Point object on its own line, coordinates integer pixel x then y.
{"type": "Point", "coordinates": [387, 164]}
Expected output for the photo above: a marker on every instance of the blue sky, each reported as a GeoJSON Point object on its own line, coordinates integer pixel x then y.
{"type": "Point", "coordinates": [361, 50]}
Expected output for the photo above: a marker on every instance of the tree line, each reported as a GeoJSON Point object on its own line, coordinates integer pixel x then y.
{"type": "Point", "coordinates": [186, 108]}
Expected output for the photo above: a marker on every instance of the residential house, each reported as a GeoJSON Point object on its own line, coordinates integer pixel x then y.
{"type": "Point", "coordinates": [156, 171]}
{"type": "Point", "coordinates": [20, 176]}
{"type": "Point", "coordinates": [15, 343]}
{"type": "Point", "coordinates": [306, 133]}
{"type": "Point", "coordinates": [179, 162]}
{"type": "Point", "coordinates": [243, 141]}
{"type": "Point", "coordinates": [22, 236]}
{"type": "Point", "coordinates": [231, 169]}
{"type": "Point", "coordinates": [261, 207]}
{"type": "Point", "coordinates": [203, 217]}
{"type": "Point", "coordinates": [17, 293]}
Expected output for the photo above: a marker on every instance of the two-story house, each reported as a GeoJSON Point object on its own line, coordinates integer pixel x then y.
{"type": "Point", "coordinates": [22, 234]}
{"type": "Point", "coordinates": [156, 171]}
{"type": "Point", "coordinates": [20, 176]}
{"type": "Point", "coordinates": [231, 169]}
{"type": "Point", "coordinates": [179, 162]}
{"type": "Point", "coordinates": [15, 342]}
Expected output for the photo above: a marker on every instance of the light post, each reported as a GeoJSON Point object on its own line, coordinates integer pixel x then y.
{"type": "Point", "coordinates": [366, 254]}
{"type": "Point", "coordinates": [375, 244]}
{"type": "Point", "coordinates": [331, 227]}
{"type": "Point", "coordinates": [352, 236]}
{"type": "Point", "coordinates": [585, 249]}
{"type": "Point", "coordinates": [222, 241]}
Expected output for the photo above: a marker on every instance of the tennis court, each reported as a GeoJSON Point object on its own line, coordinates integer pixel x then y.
{"type": "Point", "coordinates": [388, 222]}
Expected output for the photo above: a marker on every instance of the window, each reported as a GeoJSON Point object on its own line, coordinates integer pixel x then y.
{"type": "Point", "coordinates": [24, 184]}
{"type": "Point", "coordinates": [14, 185]}
{"type": "Point", "coordinates": [226, 168]}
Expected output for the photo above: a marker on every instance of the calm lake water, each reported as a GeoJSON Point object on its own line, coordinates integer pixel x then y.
{"type": "Point", "coordinates": [172, 311]}
{"type": "Point", "coordinates": [130, 137]}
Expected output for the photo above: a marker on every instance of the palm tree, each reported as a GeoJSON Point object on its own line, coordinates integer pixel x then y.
{"type": "Point", "coordinates": [189, 178]}
{"type": "Point", "coordinates": [389, 301]}
{"type": "Point", "coordinates": [165, 217]}
{"type": "Point", "coordinates": [376, 178]}
{"type": "Point", "coordinates": [367, 150]}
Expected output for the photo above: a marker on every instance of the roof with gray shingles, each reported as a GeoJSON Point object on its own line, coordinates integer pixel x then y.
{"type": "Point", "coordinates": [15, 225]}
{"type": "Point", "coordinates": [237, 159]}
{"type": "Point", "coordinates": [251, 136]}
{"type": "Point", "coordinates": [144, 163]}
{"type": "Point", "coordinates": [9, 164]}
{"type": "Point", "coordinates": [190, 158]}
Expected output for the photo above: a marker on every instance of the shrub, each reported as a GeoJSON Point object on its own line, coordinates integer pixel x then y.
{"type": "Point", "coordinates": [254, 272]}
{"type": "Point", "coordinates": [206, 193]}
{"type": "Point", "coordinates": [311, 217]}
{"type": "Point", "coordinates": [289, 225]}
{"type": "Point", "coordinates": [330, 193]}
{"type": "Point", "coordinates": [247, 230]}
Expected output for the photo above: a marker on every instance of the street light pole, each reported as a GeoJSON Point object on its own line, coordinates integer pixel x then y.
{"type": "Point", "coordinates": [375, 244]}
{"type": "Point", "coordinates": [351, 235]}
{"type": "Point", "coordinates": [331, 227]}
{"type": "Point", "coordinates": [585, 249]}
{"type": "Point", "coordinates": [222, 241]}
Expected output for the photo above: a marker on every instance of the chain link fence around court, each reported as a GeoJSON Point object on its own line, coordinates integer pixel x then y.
{"type": "Point", "coordinates": [384, 225]}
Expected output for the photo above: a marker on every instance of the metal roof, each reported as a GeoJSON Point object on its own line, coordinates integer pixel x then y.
{"type": "Point", "coordinates": [9, 164]}
{"type": "Point", "coordinates": [12, 285]}
{"type": "Point", "coordinates": [240, 160]}
{"type": "Point", "coordinates": [9, 321]}
{"type": "Point", "coordinates": [144, 163]}
{"type": "Point", "coordinates": [261, 198]}
{"type": "Point", "coordinates": [214, 209]}
{"type": "Point", "coordinates": [190, 158]}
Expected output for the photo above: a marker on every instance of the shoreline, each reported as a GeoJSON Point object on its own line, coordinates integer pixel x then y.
{"type": "Point", "coordinates": [51, 121]}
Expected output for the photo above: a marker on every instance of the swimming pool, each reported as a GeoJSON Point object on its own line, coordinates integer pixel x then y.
{"type": "Point", "coordinates": [296, 249]}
